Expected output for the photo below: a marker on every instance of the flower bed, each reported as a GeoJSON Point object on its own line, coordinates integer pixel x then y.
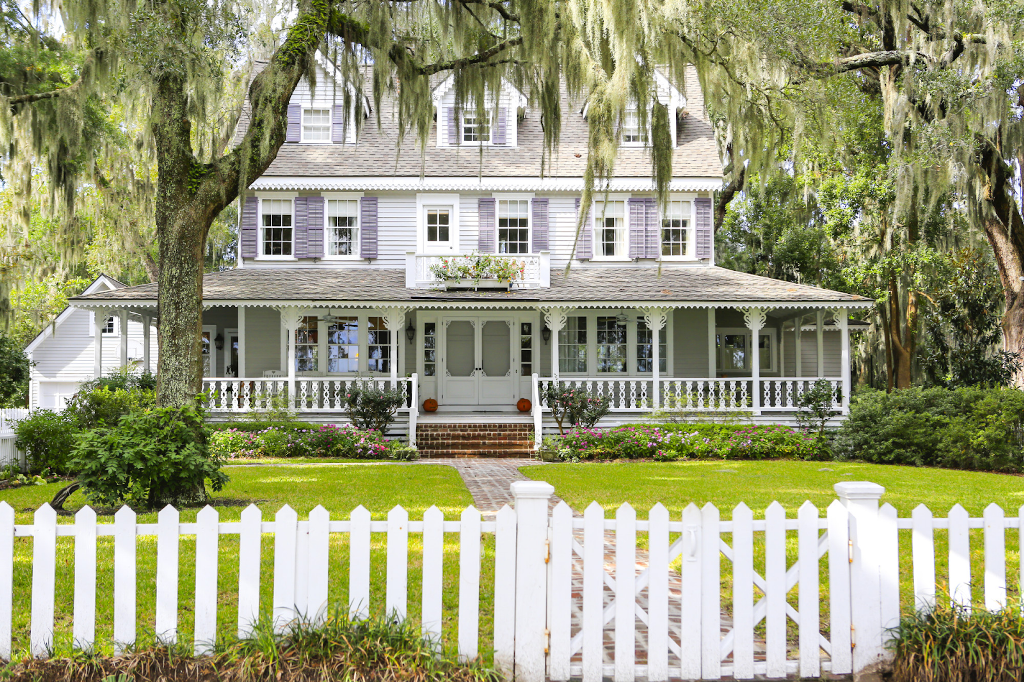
{"type": "Point", "coordinates": [672, 442]}
{"type": "Point", "coordinates": [285, 441]}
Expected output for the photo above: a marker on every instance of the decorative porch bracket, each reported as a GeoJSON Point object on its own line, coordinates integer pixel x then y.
{"type": "Point", "coordinates": [554, 319]}
{"type": "Point", "coordinates": [655, 319]}
{"type": "Point", "coordinates": [394, 320]}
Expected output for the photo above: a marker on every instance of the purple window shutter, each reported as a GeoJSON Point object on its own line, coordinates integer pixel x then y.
{"type": "Point", "coordinates": [294, 123]}
{"type": "Point", "coordinates": [368, 227]}
{"type": "Point", "coordinates": [299, 227]}
{"type": "Point", "coordinates": [499, 129]}
{"type": "Point", "coordinates": [583, 248]}
{"type": "Point", "coordinates": [250, 226]}
{"type": "Point", "coordinates": [653, 232]}
{"type": "Point", "coordinates": [314, 227]}
{"type": "Point", "coordinates": [540, 225]}
{"type": "Point", "coordinates": [338, 124]}
{"type": "Point", "coordinates": [486, 238]}
{"type": "Point", "coordinates": [453, 130]}
{"type": "Point", "coordinates": [705, 232]}
{"type": "Point", "coordinates": [637, 228]}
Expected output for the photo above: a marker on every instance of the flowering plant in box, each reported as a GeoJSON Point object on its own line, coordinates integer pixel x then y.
{"type": "Point", "coordinates": [478, 266]}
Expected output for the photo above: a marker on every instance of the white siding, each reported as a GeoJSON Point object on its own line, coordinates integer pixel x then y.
{"type": "Point", "coordinates": [262, 340]}
{"type": "Point", "coordinates": [690, 342]}
{"type": "Point", "coordinates": [396, 228]}
{"type": "Point", "coordinates": [831, 344]}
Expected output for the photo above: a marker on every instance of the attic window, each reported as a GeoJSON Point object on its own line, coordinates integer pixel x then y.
{"type": "Point", "coordinates": [631, 131]}
{"type": "Point", "coordinates": [316, 125]}
{"type": "Point", "coordinates": [476, 128]}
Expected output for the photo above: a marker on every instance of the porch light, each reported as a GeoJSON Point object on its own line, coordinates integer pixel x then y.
{"type": "Point", "coordinates": [545, 334]}
{"type": "Point", "coordinates": [218, 341]}
{"type": "Point", "coordinates": [410, 332]}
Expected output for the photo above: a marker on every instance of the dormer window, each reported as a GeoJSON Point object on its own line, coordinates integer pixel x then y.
{"type": "Point", "coordinates": [316, 125]}
{"type": "Point", "coordinates": [632, 133]}
{"type": "Point", "coordinates": [476, 128]}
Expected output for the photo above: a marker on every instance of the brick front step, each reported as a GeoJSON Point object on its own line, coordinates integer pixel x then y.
{"type": "Point", "coordinates": [475, 440]}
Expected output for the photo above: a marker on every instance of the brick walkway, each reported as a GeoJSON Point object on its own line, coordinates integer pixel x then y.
{"type": "Point", "coordinates": [489, 480]}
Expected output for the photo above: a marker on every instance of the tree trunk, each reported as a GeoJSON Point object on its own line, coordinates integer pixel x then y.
{"type": "Point", "coordinates": [888, 350]}
{"type": "Point", "coordinates": [901, 349]}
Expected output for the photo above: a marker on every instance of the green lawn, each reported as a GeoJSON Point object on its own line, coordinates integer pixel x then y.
{"type": "Point", "coordinates": [758, 484]}
{"type": "Point", "coordinates": [338, 488]}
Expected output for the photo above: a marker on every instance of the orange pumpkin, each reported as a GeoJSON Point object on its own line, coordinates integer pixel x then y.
{"type": "Point", "coordinates": [430, 405]}
{"type": "Point", "coordinates": [524, 405]}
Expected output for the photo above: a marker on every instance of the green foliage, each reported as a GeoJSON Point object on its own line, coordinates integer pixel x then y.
{"type": "Point", "coordinates": [103, 401]}
{"type": "Point", "coordinates": [575, 406]}
{"type": "Point", "coordinates": [686, 441]}
{"type": "Point", "coordinates": [963, 324]}
{"type": "Point", "coordinates": [965, 428]}
{"type": "Point", "coordinates": [478, 266]}
{"type": "Point", "coordinates": [148, 459]}
{"type": "Point", "coordinates": [47, 439]}
{"type": "Point", "coordinates": [262, 424]}
{"type": "Point", "coordinates": [816, 408]}
{"type": "Point", "coordinates": [951, 643]}
{"type": "Point", "coordinates": [14, 373]}
{"type": "Point", "coordinates": [372, 407]}
{"type": "Point", "coordinates": [289, 440]}
{"type": "Point", "coordinates": [401, 452]}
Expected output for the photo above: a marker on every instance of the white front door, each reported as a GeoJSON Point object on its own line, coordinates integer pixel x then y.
{"type": "Point", "coordinates": [477, 364]}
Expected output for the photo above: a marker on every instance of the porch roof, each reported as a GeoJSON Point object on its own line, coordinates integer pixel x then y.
{"type": "Point", "coordinates": [590, 286]}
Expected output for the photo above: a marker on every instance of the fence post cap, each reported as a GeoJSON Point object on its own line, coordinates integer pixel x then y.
{"type": "Point", "coordinates": [532, 490]}
{"type": "Point", "coordinates": [858, 490]}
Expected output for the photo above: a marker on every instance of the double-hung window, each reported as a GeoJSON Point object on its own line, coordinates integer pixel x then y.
{"type": "Point", "coordinates": [316, 125]}
{"type": "Point", "coordinates": [572, 345]}
{"type": "Point", "coordinates": [513, 226]}
{"type": "Point", "coordinates": [675, 229]}
{"type": "Point", "coordinates": [276, 227]}
{"type": "Point", "coordinates": [343, 227]}
{"type": "Point", "coordinates": [378, 345]}
{"type": "Point", "coordinates": [343, 345]}
{"type": "Point", "coordinates": [632, 133]}
{"type": "Point", "coordinates": [645, 348]}
{"type": "Point", "coordinates": [476, 127]}
{"type": "Point", "coordinates": [610, 228]}
{"type": "Point", "coordinates": [307, 348]}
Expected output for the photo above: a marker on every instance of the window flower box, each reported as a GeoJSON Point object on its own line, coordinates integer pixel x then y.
{"type": "Point", "coordinates": [478, 271]}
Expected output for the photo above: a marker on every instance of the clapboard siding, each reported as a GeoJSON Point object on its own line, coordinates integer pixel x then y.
{"type": "Point", "coordinates": [690, 342]}
{"type": "Point", "coordinates": [68, 353]}
{"type": "Point", "coordinates": [262, 340]}
{"type": "Point", "coordinates": [396, 228]}
{"type": "Point", "coordinates": [831, 344]}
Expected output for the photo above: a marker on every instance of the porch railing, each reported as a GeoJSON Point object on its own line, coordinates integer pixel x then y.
{"type": "Point", "coordinates": [312, 394]}
{"type": "Point", "coordinates": [784, 393]}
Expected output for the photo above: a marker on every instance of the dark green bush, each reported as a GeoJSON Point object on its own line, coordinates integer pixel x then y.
{"type": "Point", "coordinates": [955, 644]}
{"type": "Point", "coordinates": [103, 401]}
{"type": "Point", "coordinates": [372, 407]}
{"type": "Point", "coordinates": [966, 428]}
{"type": "Point", "coordinates": [47, 439]}
{"type": "Point", "coordinates": [149, 458]}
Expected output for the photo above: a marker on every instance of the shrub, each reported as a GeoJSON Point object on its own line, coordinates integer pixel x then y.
{"type": "Point", "coordinates": [262, 425]}
{"type": "Point", "coordinates": [104, 405]}
{"type": "Point", "coordinates": [965, 428]}
{"type": "Point", "coordinates": [372, 407]}
{"type": "Point", "coordinates": [575, 405]}
{"type": "Point", "coordinates": [953, 643]}
{"type": "Point", "coordinates": [325, 440]}
{"type": "Point", "coordinates": [816, 408]}
{"type": "Point", "coordinates": [47, 439]}
{"type": "Point", "coordinates": [401, 452]}
{"type": "Point", "coordinates": [686, 441]}
{"type": "Point", "coordinates": [148, 458]}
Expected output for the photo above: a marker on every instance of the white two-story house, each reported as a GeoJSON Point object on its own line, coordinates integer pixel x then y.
{"type": "Point", "coordinates": [345, 241]}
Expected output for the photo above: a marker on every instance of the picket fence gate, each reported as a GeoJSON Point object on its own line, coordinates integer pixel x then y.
{"type": "Point", "coordinates": [649, 620]}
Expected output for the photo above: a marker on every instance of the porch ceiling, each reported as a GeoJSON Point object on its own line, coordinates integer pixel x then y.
{"type": "Point", "coordinates": [589, 286]}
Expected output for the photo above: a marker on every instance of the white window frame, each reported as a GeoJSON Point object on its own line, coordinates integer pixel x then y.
{"type": "Point", "coordinates": [691, 229]}
{"type": "Point", "coordinates": [597, 226]}
{"type": "Point", "coordinates": [643, 134]}
{"type": "Point", "coordinates": [259, 218]}
{"type": "Point", "coordinates": [746, 371]}
{"type": "Point", "coordinates": [489, 116]}
{"type": "Point", "coordinates": [363, 315]}
{"type": "Point", "coordinates": [667, 333]}
{"type": "Point", "coordinates": [342, 196]}
{"type": "Point", "coordinates": [302, 123]}
{"type": "Point", "coordinates": [528, 198]}
{"type": "Point", "coordinates": [110, 327]}
{"type": "Point", "coordinates": [437, 201]}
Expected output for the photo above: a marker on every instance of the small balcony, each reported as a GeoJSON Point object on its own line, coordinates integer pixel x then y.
{"type": "Point", "coordinates": [532, 271]}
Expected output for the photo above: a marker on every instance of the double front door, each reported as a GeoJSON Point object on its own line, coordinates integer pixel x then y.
{"type": "Point", "coordinates": [477, 366]}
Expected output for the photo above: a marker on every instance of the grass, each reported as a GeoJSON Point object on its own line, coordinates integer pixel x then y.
{"type": "Point", "coordinates": [758, 484]}
{"type": "Point", "coordinates": [338, 488]}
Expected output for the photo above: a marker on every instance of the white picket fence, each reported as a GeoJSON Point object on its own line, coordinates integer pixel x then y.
{"type": "Point", "coordinates": [8, 453]}
{"type": "Point", "coordinates": [610, 609]}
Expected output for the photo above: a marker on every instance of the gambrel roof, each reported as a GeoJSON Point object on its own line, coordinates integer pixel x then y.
{"type": "Point", "coordinates": [380, 153]}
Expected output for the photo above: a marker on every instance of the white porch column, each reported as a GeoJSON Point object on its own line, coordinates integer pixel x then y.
{"type": "Point", "coordinates": [842, 319]}
{"type": "Point", "coordinates": [755, 318]}
{"type": "Point", "coordinates": [655, 318]}
{"type": "Point", "coordinates": [147, 324]}
{"type": "Point", "coordinates": [819, 332]}
{"type": "Point", "coordinates": [394, 320]}
{"type": "Point", "coordinates": [240, 370]}
{"type": "Point", "coordinates": [554, 318]}
{"type": "Point", "coordinates": [100, 320]}
{"type": "Point", "coordinates": [796, 346]}
{"type": "Point", "coordinates": [290, 318]}
{"type": "Point", "coordinates": [123, 321]}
